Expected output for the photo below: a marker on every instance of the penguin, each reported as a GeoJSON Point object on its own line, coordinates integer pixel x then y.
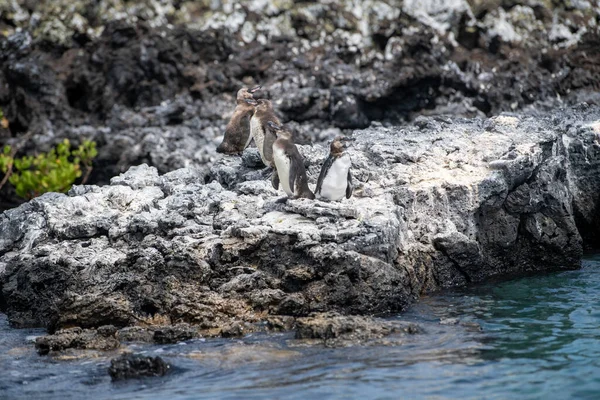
{"type": "Point", "coordinates": [335, 179]}
{"type": "Point", "coordinates": [237, 133]}
{"type": "Point", "coordinates": [263, 136]}
{"type": "Point", "coordinates": [289, 165]}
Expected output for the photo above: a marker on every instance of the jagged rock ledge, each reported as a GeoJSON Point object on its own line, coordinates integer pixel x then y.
{"type": "Point", "coordinates": [440, 203]}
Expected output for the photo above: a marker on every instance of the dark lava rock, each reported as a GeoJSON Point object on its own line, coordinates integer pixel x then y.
{"type": "Point", "coordinates": [198, 239]}
{"type": "Point", "coordinates": [438, 204]}
{"type": "Point", "coordinates": [278, 323]}
{"type": "Point", "coordinates": [131, 366]}
{"type": "Point", "coordinates": [334, 329]}
{"type": "Point", "coordinates": [175, 333]}
{"type": "Point", "coordinates": [157, 86]}
{"type": "Point", "coordinates": [135, 334]}
{"type": "Point", "coordinates": [102, 338]}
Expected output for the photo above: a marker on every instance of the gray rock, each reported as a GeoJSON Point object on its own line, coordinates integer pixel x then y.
{"type": "Point", "coordinates": [102, 338]}
{"type": "Point", "coordinates": [153, 81]}
{"type": "Point", "coordinates": [130, 366]}
{"type": "Point", "coordinates": [334, 330]}
{"type": "Point", "coordinates": [438, 204]}
{"type": "Point", "coordinates": [174, 334]}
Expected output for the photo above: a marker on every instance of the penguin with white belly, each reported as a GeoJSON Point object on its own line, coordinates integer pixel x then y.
{"type": "Point", "coordinates": [289, 164]}
{"type": "Point", "coordinates": [335, 179]}
{"type": "Point", "coordinates": [263, 136]}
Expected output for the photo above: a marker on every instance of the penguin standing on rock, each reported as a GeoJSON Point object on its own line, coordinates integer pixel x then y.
{"type": "Point", "coordinates": [289, 165]}
{"type": "Point", "coordinates": [237, 134]}
{"type": "Point", "coordinates": [263, 136]}
{"type": "Point", "coordinates": [335, 179]}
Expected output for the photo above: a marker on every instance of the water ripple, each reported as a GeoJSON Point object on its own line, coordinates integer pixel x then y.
{"type": "Point", "coordinates": [540, 339]}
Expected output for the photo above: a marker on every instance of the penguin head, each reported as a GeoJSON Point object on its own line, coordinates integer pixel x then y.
{"type": "Point", "coordinates": [246, 94]}
{"type": "Point", "coordinates": [339, 144]}
{"type": "Point", "coordinates": [264, 105]}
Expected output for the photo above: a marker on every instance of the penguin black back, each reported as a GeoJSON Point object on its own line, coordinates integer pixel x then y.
{"type": "Point", "coordinates": [290, 165]}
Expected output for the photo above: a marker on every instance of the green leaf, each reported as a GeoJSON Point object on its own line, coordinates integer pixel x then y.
{"type": "Point", "coordinates": [55, 171]}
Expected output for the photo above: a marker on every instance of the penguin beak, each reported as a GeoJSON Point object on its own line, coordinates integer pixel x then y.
{"type": "Point", "coordinates": [251, 101]}
{"type": "Point", "coordinates": [274, 126]}
{"type": "Point", "coordinates": [255, 89]}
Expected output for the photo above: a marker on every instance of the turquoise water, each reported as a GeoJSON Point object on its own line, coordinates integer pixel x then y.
{"type": "Point", "coordinates": [540, 339]}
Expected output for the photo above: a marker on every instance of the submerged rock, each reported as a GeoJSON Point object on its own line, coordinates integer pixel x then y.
{"type": "Point", "coordinates": [441, 203]}
{"type": "Point", "coordinates": [340, 330]}
{"type": "Point", "coordinates": [131, 366]}
{"type": "Point", "coordinates": [102, 338]}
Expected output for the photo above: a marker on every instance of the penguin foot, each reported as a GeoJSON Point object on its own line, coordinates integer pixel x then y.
{"type": "Point", "coordinates": [282, 200]}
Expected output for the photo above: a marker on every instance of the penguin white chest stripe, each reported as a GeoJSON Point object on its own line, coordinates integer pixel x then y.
{"type": "Point", "coordinates": [259, 136]}
{"type": "Point", "coordinates": [283, 164]}
{"type": "Point", "coordinates": [336, 180]}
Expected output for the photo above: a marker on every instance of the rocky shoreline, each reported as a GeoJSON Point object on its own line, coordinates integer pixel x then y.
{"type": "Point", "coordinates": [439, 203]}
{"type": "Point", "coordinates": [186, 243]}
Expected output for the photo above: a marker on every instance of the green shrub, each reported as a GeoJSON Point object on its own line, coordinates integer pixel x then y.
{"type": "Point", "coordinates": [3, 120]}
{"type": "Point", "coordinates": [6, 159]}
{"type": "Point", "coordinates": [55, 171]}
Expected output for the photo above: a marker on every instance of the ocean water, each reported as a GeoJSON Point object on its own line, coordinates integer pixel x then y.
{"type": "Point", "coordinates": [529, 338]}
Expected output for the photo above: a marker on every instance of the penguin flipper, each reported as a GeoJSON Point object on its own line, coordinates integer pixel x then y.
{"type": "Point", "coordinates": [349, 187]}
{"type": "Point", "coordinates": [245, 135]}
{"type": "Point", "coordinates": [249, 138]}
{"type": "Point", "coordinates": [269, 140]}
{"type": "Point", "coordinates": [294, 171]}
{"type": "Point", "coordinates": [326, 165]}
{"type": "Point", "coordinates": [301, 189]}
{"type": "Point", "coordinates": [275, 180]}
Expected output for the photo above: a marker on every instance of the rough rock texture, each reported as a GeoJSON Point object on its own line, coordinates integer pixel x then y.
{"type": "Point", "coordinates": [154, 81]}
{"type": "Point", "coordinates": [583, 163]}
{"type": "Point", "coordinates": [439, 203]}
{"type": "Point", "coordinates": [110, 337]}
{"type": "Point", "coordinates": [102, 338]}
{"type": "Point", "coordinates": [338, 330]}
{"type": "Point", "coordinates": [129, 366]}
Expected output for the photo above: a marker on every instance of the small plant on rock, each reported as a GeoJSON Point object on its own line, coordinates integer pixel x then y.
{"type": "Point", "coordinates": [3, 120]}
{"type": "Point", "coordinates": [55, 171]}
